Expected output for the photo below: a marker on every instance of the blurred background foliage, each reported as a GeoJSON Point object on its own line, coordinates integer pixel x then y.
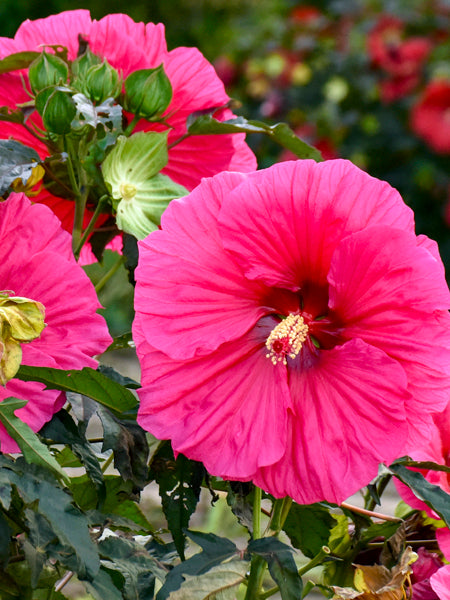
{"type": "Point", "coordinates": [353, 77]}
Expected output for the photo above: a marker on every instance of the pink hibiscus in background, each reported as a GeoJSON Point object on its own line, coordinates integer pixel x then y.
{"type": "Point", "coordinates": [292, 329]}
{"type": "Point", "coordinates": [430, 117]}
{"type": "Point", "coordinates": [129, 46]}
{"type": "Point", "coordinates": [37, 263]}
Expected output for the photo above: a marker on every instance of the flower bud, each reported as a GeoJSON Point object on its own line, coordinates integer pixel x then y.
{"type": "Point", "coordinates": [102, 82]}
{"type": "Point", "coordinates": [83, 63]}
{"type": "Point", "coordinates": [147, 92]}
{"type": "Point", "coordinates": [47, 70]}
{"type": "Point", "coordinates": [21, 320]}
{"type": "Point", "coordinates": [57, 109]}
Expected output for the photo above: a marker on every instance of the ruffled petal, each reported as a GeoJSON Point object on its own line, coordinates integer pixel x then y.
{"type": "Point", "coordinates": [389, 291]}
{"type": "Point", "coordinates": [440, 582]}
{"type": "Point", "coordinates": [191, 294]}
{"type": "Point", "coordinates": [228, 410]}
{"type": "Point", "coordinates": [296, 213]}
{"type": "Point", "coordinates": [349, 417]}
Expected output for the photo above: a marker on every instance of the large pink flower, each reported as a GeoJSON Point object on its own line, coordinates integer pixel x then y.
{"type": "Point", "coordinates": [129, 46]}
{"type": "Point", "coordinates": [37, 263]}
{"type": "Point", "coordinates": [291, 328]}
{"type": "Point", "coordinates": [440, 582]}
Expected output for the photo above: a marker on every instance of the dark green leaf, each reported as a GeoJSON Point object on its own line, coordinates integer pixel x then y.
{"type": "Point", "coordinates": [121, 342]}
{"type": "Point", "coordinates": [16, 161]}
{"type": "Point", "coordinates": [5, 540]}
{"type": "Point", "coordinates": [426, 465]}
{"type": "Point", "coordinates": [179, 487]}
{"type": "Point", "coordinates": [215, 550]}
{"type": "Point", "coordinates": [281, 563]}
{"type": "Point", "coordinates": [88, 382]}
{"type": "Point", "coordinates": [114, 375]}
{"type": "Point", "coordinates": [240, 500]}
{"type": "Point", "coordinates": [131, 254]}
{"type": "Point", "coordinates": [32, 448]}
{"type": "Point", "coordinates": [63, 430]}
{"type": "Point", "coordinates": [280, 133]}
{"type": "Point", "coordinates": [134, 563]}
{"type": "Point", "coordinates": [432, 495]}
{"type": "Point", "coordinates": [129, 444]}
{"type": "Point", "coordinates": [220, 581]}
{"type": "Point", "coordinates": [17, 61]}
{"type": "Point", "coordinates": [308, 527]}
{"type": "Point", "coordinates": [68, 524]}
{"type": "Point", "coordinates": [385, 529]}
{"type": "Point", "coordinates": [35, 550]}
{"type": "Point", "coordinates": [102, 587]}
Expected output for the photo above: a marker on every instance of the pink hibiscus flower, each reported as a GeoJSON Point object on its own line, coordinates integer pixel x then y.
{"type": "Point", "coordinates": [440, 582]}
{"type": "Point", "coordinates": [291, 328]}
{"type": "Point", "coordinates": [37, 263]}
{"type": "Point", "coordinates": [130, 46]}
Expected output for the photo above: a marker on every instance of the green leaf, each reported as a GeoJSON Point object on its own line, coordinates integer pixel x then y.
{"type": "Point", "coordinates": [281, 563]}
{"type": "Point", "coordinates": [5, 540]}
{"type": "Point", "coordinates": [102, 586]}
{"type": "Point", "coordinates": [16, 161]}
{"type": "Point", "coordinates": [215, 550]}
{"type": "Point", "coordinates": [69, 525]}
{"type": "Point", "coordinates": [114, 375]}
{"type": "Point", "coordinates": [308, 527]}
{"type": "Point", "coordinates": [17, 61]}
{"type": "Point", "coordinates": [63, 430]}
{"type": "Point", "coordinates": [88, 382]}
{"type": "Point", "coordinates": [280, 133]}
{"type": "Point", "coordinates": [179, 487]}
{"type": "Point", "coordinates": [134, 563]}
{"type": "Point", "coordinates": [31, 446]}
{"type": "Point", "coordinates": [129, 444]}
{"type": "Point", "coordinates": [121, 342]}
{"type": "Point", "coordinates": [220, 581]}
{"type": "Point", "coordinates": [432, 495]}
{"type": "Point", "coordinates": [240, 500]}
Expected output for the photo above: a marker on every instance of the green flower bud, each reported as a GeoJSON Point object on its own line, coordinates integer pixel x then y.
{"type": "Point", "coordinates": [147, 92]}
{"type": "Point", "coordinates": [102, 82]}
{"type": "Point", "coordinates": [83, 63]}
{"type": "Point", "coordinates": [140, 193]}
{"type": "Point", "coordinates": [47, 70]}
{"type": "Point", "coordinates": [57, 109]}
{"type": "Point", "coordinates": [21, 321]}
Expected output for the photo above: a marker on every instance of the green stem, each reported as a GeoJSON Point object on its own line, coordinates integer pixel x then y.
{"type": "Point", "coordinates": [180, 139]}
{"type": "Point", "coordinates": [98, 209]}
{"type": "Point", "coordinates": [104, 280]}
{"type": "Point", "coordinates": [258, 565]}
{"type": "Point", "coordinates": [314, 562]}
{"type": "Point", "coordinates": [131, 125]}
{"type": "Point", "coordinates": [380, 489]}
{"type": "Point", "coordinates": [107, 462]}
{"type": "Point", "coordinates": [280, 512]}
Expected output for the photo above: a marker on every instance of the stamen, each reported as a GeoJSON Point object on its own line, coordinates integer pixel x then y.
{"type": "Point", "coordinates": [286, 339]}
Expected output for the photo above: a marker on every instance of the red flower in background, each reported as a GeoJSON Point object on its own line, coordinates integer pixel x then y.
{"type": "Point", "coordinates": [401, 59]}
{"type": "Point", "coordinates": [37, 263]}
{"type": "Point", "coordinates": [430, 117]}
{"type": "Point", "coordinates": [129, 46]}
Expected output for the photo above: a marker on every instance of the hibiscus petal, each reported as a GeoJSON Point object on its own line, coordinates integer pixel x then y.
{"type": "Point", "coordinates": [228, 409]}
{"type": "Point", "coordinates": [295, 214]}
{"type": "Point", "coordinates": [440, 582]}
{"type": "Point", "coordinates": [349, 417]}
{"type": "Point", "coordinates": [191, 292]}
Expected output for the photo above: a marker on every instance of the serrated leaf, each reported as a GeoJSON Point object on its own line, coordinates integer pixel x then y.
{"type": "Point", "coordinates": [68, 523]}
{"type": "Point", "coordinates": [16, 161]}
{"type": "Point", "coordinates": [215, 550]}
{"type": "Point", "coordinates": [432, 495]}
{"type": "Point", "coordinates": [281, 563]}
{"type": "Point", "coordinates": [63, 430]}
{"type": "Point", "coordinates": [308, 527]}
{"type": "Point", "coordinates": [281, 133]}
{"type": "Point", "coordinates": [88, 382]}
{"type": "Point", "coordinates": [219, 582]}
{"type": "Point", "coordinates": [102, 586]}
{"type": "Point", "coordinates": [129, 444]}
{"type": "Point", "coordinates": [33, 449]}
{"type": "Point", "coordinates": [134, 563]}
{"type": "Point", "coordinates": [17, 61]}
{"type": "Point", "coordinates": [179, 484]}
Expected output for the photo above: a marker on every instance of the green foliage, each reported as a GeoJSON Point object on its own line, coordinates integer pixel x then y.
{"type": "Point", "coordinates": [308, 527]}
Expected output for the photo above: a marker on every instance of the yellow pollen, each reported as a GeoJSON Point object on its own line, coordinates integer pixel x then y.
{"type": "Point", "coordinates": [286, 339]}
{"type": "Point", "coordinates": [127, 191]}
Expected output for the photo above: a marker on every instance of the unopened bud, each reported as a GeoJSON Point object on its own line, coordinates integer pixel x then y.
{"type": "Point", "coordinates": [83, 63]}
{"type": "Point", "coordinates": [47, 70]}
{"type": "Point", "coordinates": [102, 82]}
{"type": "Point", "coordinates": [147, 92]}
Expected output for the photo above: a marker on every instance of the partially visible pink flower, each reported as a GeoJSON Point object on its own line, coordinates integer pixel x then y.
{"type": "Point", "coordinates": [423, 568]}
{"type": "Point", "coordinates": [129, 46]}
{"type": "Point", "coordinates": [430, 117]}
{"type": "Point", "coordinates": [37, 263]}
{"type": "Point", "coordinates": [440, 582]}
{"type": "Point", "coordinates": [292, 329]}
